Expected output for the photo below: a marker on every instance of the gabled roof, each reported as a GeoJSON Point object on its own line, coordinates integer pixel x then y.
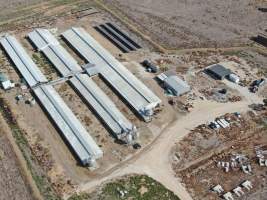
{"type": "Point", "coordinates": [177, 84]}
{"type": "Point", "coordinates": [219, 70]}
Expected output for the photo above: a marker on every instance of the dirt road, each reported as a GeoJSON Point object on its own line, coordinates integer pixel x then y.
{"type": "Point", "coordinates": [155, 161]}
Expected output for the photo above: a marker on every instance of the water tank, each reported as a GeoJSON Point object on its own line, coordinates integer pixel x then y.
{"type": "Point", "coordinates": [92, 163]}
{"type": "Point", "coordinates": [129, 138]}
{"type": "Point", "coordinates": [234, 78]}
{"type": "Point", "coordinates": [148, 112]}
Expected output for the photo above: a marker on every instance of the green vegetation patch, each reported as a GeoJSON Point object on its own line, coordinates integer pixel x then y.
{"type": "Point", "coordinates": [139, 187]}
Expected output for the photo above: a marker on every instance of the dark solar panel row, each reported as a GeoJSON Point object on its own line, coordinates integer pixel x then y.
{"type": "Point", "coordinates": [112, 39]}
{"type": "Point", "coordinates": [117, 37]}
{"type": "Point", "coordinates": [116, 29]}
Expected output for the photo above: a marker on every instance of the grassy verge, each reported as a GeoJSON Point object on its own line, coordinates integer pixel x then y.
{"type": "Point", "coordinates": [36, 172]}
{"type": "Point", "coordinates": [139, 187]}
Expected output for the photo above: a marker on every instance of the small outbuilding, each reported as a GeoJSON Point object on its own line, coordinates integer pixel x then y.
{"type": "Point", "coordinates": [218, 71]}
{"type": "Point", "coordinates": [5, 82]}
{"type": "Point", "coordinates": [173, 83]}
{"type": "Point", "coordinates": [234, 78]}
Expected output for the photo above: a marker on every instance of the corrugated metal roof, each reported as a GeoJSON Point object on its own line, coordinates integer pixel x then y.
{"type": "Point", "coordinates": [178, 85]}
{"type": "Point", "coordinates": [219, 70]}
{"type": "Point", "coordinates": [76, 135]}
{"type": "Point", "coordinates": [162, 77]}
{"type": "Point", "coordinates": [122, 80]}
{"type": "Point", "coordinates": [170, 73]}
{"type": "Point", "coordinates": [94, 96]}
{"type": "Point", "coordinates": [23, 62]}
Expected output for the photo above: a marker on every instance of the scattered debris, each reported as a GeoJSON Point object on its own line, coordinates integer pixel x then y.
{"type": "Point", "coordinates": [218, 189]}
{"type": "Point", "coordinates": [5, 82]}
{"type": "Point", "coordinates": [247, 184]}
{"type": "Point", "coordinates": [31, 101]}
{"type": "Point", "coordinates": [19, 97]}
{"type": "Point", "coordinates": [254, 87]}
{"type": "Point", "coordinates": [137, 146]}
{"type": "Point", "coordinates": [228, 196]}
{"type": "Point", "coordinates": [84, 12]}
{"type": "Point", "coordinates": [238, 191]}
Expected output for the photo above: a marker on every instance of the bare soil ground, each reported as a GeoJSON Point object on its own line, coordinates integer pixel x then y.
{"type": "Point", "coordinates": [195, 23]}
{"type": "Point", "coordinates": [12, 182]}
{"type": "Point", "coordinates": [248, 64]}
{"type": "Point", "coordinates": [16, 3]}
{"type": "Point", "coordinates": [45, 142]}
{"type": "Point", "coordinates": [197, 155]}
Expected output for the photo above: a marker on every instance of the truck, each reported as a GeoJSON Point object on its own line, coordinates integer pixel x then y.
{"type": "Point", "coordinates": [151, 67]}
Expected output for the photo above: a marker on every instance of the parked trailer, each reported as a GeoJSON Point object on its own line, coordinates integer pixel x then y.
{"type": "Point", "coordinates": [75, 134]}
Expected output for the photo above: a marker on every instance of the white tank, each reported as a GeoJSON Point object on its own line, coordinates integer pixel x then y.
{"type": "Point", "coordinates": [92, 163]}
{"type": "Point", "coordinates": [234, 78]}
{"type": "Point", "coordinates": [129, 138]}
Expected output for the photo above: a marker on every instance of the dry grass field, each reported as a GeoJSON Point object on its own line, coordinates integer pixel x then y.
{"type": "Point", "coordinates": [11, 182]}
{"type": "Point", "coordinates": [195, 23]}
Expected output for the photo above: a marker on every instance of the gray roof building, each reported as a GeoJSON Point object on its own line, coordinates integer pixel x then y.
{"type": "Point", "coordinates": [80, 141]}
{"type": "Point", "coordinates": [173, 83]}
{"type": "Point", "coordinates": [130, 88]}
{"type": "Point", "coordinates": [96, 99]}
{"type": "Point", "coordinates": [218, 71]}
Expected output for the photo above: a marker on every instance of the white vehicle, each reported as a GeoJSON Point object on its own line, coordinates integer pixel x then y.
{"type": "Point", "coordinates": [220, 123]}
{"type": "Point", "coordinates": [216, 124]}
{"type": "Point", "coordinates": [225, 122]}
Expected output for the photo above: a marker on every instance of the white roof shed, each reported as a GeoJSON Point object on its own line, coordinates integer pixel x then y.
{"type": "Point", "coordinates": [7, 84]}
{"type": "Point", "coordinates": [173, 83]}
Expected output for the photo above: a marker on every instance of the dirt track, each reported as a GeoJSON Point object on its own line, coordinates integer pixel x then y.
{"type": "Point", "coordinates": [154, 160]}
{"type": "Point", "coordinates": [195, 23]}
{"type": "Point", "coordinates": [11, 182]}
